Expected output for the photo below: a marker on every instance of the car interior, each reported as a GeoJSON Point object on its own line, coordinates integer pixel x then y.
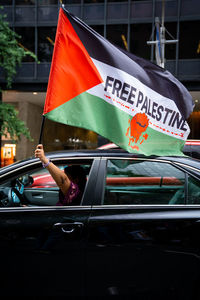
{"type": "Point", "coordinates": [36, 188]}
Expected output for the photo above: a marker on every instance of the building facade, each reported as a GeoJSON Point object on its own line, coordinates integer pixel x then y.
{"type": "Point", "coordinates": [128, 24]}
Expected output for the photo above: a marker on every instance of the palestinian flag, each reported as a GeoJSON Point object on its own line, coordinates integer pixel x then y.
{"type": "Point", "coordinates": [126, 99]}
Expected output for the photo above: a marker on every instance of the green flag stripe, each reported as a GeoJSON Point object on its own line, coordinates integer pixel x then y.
{"type": "Point", "coordinates": [93, 113]}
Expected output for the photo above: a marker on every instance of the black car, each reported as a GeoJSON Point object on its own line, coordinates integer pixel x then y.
{"type": "Point", "coordinates": [135, 233]}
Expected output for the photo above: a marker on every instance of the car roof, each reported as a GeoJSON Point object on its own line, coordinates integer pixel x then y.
{"type": "Point", "coordinates": [90, 154]}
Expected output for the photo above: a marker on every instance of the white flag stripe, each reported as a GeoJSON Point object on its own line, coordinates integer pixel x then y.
{"type": "Point", "coordinates": [131, 96]}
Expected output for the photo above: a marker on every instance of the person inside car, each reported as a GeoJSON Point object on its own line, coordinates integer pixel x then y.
{"type": "Point", "coordinates": [71, 182]}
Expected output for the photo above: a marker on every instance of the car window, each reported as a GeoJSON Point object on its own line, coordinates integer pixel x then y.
{"type": "Point", "coordinates": [35, 188]}
{"type": "Point", "coordinates": [193, 191]}
{"type": "Point", "coordinates": [143, 182]}
{"type": "Point", "coordinates": [42, 179]}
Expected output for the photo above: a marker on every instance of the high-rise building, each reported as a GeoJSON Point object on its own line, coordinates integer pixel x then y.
{"type": "Point", "coordinates": [129, 24]}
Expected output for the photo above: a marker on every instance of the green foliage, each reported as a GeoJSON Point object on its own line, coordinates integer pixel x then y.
{"type": "Point", "coordinates": [10, 123]}
{"type": "Point", "coordinates": [11, 55]}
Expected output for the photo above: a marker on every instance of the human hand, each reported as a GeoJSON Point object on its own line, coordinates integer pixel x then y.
{"type": "Point", "coordinates": [39, 152]}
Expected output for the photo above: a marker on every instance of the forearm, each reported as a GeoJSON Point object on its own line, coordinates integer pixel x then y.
{"type": "Point", "coordinates": [58, 175]}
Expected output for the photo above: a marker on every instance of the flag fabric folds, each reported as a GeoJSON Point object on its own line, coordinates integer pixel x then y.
{"type": "Point", "coordinates": [124, 98]}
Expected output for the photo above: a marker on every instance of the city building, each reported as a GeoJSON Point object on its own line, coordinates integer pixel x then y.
{"type": "Point", "coordinates": [129, 24]}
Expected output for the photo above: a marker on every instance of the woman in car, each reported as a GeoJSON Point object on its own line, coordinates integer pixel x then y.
{"type": "Point", "coordinates": [71, 182]}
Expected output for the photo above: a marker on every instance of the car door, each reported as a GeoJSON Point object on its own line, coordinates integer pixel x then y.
{"type": "Point", "coordinates": [144, 231]}
{"type": "Point", "coordinates": [42, 248]}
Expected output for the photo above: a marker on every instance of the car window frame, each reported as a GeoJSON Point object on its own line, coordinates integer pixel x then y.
{"type": "Point", "coordinates": [87, 200]}
{"type": "Point", "coordinates": [188, 170]}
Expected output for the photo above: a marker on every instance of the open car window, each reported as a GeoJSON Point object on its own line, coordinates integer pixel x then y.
{"type": "Point", "coordinates": [143, 183]}
{"type": "Point", "coordinates": [35, 188]}
{"type": "Point", "coordinates": [42, 179]}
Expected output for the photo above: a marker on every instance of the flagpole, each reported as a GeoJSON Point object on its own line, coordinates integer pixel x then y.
{"type": "Point", "coordinates": [43, 118]}
{"type": "Point", "coordinates": [41, 129]}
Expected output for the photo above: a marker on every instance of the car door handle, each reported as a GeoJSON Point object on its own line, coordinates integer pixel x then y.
{"type": "Point", "coordinates": [37, 195]}
{"type": "Point", "coordinates": [68, 227]}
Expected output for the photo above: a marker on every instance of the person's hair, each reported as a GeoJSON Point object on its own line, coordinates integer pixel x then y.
{"type": "Point", "coordinates": [76, 171]}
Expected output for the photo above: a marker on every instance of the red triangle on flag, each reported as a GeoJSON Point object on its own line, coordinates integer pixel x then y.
{"type": "Point", "coordinates": [72, 70]}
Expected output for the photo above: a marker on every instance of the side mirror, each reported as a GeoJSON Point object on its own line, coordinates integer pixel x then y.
{"type": "Point", "coordinates": [26, 180]}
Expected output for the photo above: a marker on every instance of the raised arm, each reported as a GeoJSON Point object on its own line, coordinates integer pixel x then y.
{"type": "Point", "coordinates": [58, 175]}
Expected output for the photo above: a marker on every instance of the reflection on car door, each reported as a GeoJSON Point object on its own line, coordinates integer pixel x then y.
{"type": "Point", "coordinates": [143, 250]}
{"type": "Point", "coordinates": [42, 249]}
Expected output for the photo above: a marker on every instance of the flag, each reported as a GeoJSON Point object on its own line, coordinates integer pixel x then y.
{"type": "Point", "coordinates": [124, 98]}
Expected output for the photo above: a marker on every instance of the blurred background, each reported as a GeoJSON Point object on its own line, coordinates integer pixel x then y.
{"type": "Point", "coordinates": [128, 24]}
